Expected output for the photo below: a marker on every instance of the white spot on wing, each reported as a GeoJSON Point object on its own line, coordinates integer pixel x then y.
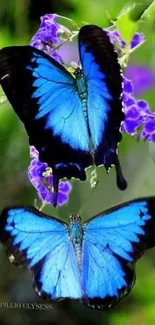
{"type": "Point", "coordinates": [6, 75]}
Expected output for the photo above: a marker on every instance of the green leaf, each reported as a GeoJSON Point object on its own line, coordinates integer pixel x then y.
{"type": "Point", "coordinates": [139, 9]}
{"type": "Point", "coordinates": [149, 13]}
{"type": "Point", "coordinates": [126, 26]}
{"type": "Point", "coordinates": [132, 13]}
{"type": "Point", "coordinates": [152, 150]}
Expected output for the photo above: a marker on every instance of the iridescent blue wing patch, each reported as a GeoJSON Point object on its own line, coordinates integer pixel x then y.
{"type": "Point", "coordinates": [44, 96]}
{"type": "Point", "coordinates": [113, 241]}
{"type": "Point", "coordinates": [104, 103]}
{"type": "Point", "coordinates": [43, 245]}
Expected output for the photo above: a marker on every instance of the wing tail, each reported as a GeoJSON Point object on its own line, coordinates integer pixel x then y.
{"type": "Point", "coordinates": [107, 155]}
{"type": "Point", "coordinates": [121, 181]}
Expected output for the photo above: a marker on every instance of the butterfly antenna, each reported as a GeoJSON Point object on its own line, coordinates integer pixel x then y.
{"type": "Point", "coordinates": [55, 187]}
{"type": "Point", "coordinates": [121, 181]}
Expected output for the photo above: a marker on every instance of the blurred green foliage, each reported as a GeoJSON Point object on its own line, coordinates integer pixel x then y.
{"type": "Point", "coordinates": [19, 20]}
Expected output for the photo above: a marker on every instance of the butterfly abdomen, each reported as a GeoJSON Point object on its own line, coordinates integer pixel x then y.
{"type": "Point", "coordinates": [76, 236]}
{"type": "Point", "coordinates": [82, 91]}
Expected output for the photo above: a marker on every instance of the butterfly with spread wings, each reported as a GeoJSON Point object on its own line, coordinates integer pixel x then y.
{"type": "Point", "coordinates": [92, 262]}
{"type": "Point", "coordinates": [73, 121]}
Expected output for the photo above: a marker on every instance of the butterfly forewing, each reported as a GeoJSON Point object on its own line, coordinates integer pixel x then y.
{"type": "Point", "coordinates": [43, 94]}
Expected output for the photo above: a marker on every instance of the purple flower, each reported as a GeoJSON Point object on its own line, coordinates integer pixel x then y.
{"type": "Point", "coordinates": [47, 36]}
{"type": "Point", "coordinates": [138, 116]}
{"type": "Point", "coordinates": [116, 37]}
{"type": "Point", "coordinates": [44, 184]}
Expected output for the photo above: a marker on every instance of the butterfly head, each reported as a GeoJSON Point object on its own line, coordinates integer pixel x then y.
{"type": "Point", "coordinates": [77, 73]}
{"type": "Point", "coordinates": [75, 218]}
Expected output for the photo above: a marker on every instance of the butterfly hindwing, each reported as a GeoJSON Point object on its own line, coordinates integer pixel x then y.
{"type": "Point", "coordinates": [113, 241]}
{"type": "Point", "coordinates": [42, 245]}
{"type": "Point", "coordinates": [104, 86]}
{"type": "Point", "coordinates": [43, 94]}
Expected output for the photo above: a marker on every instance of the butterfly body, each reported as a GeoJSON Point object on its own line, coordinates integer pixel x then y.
{"type": "Point", "coordinates": [63, 114]}
{"type": "Point", "coordinates": [82, 91]}
{"type": "Point", "coordinates": [92, 262]}
{"type": "Point", "coordinates": [76, 235]}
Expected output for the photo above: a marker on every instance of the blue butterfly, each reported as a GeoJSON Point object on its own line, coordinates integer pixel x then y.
{"type": "Point", "coordinates": [73, 121]}
{"type": "Point", "coordinates": [93, 262]}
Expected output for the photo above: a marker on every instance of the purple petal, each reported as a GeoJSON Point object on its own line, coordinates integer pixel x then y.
{"type": "Point", "coordinates": [129, 100]}
{"type": "Point", "coordinates": [142, 78]}
{"type": "Point", "coordinates": [65, 186]}
{"type": "Point", "coordinates": [114, 36]}
{"type": "Point", "coordinates": [43, 195]}
{"type": "Point", "coordinates": [34, 152]}
{"type": "Point", "coordinates": [50, 180]}
{"type": "Point", "coordinates": [46, 196]}
{"type": "Point", "coordinates": [124, 97]}
{"type": "Point", "coordinates": [152, 137]}
{"type": "Point", "coordinates": [46, 35]}
{"type": "Point", "coordinates": [40, 186]}
{"type": "Point", "coordinates": [36, 168]}
{"type": "Point", "coordinates": [132, 113]}
{"type": "Point", "coordinates": [130, 126]}
{"type": "Point", "coordinates": [144, 135]}
{"type": "Point", "coordinates": [149, 126]}
{"type": "Point", "coordinates": [48, 20]}
{"type": "Point", "coordinates": [37, 43]}
{"type": "Point", "coordinates": [62, 198]}
{"type": "Point", "coordinates": [143, 106]}
{"type": "Point", "coordinates": [128, 88]}
{"type": "Point", "coordinates": [137, 39]}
